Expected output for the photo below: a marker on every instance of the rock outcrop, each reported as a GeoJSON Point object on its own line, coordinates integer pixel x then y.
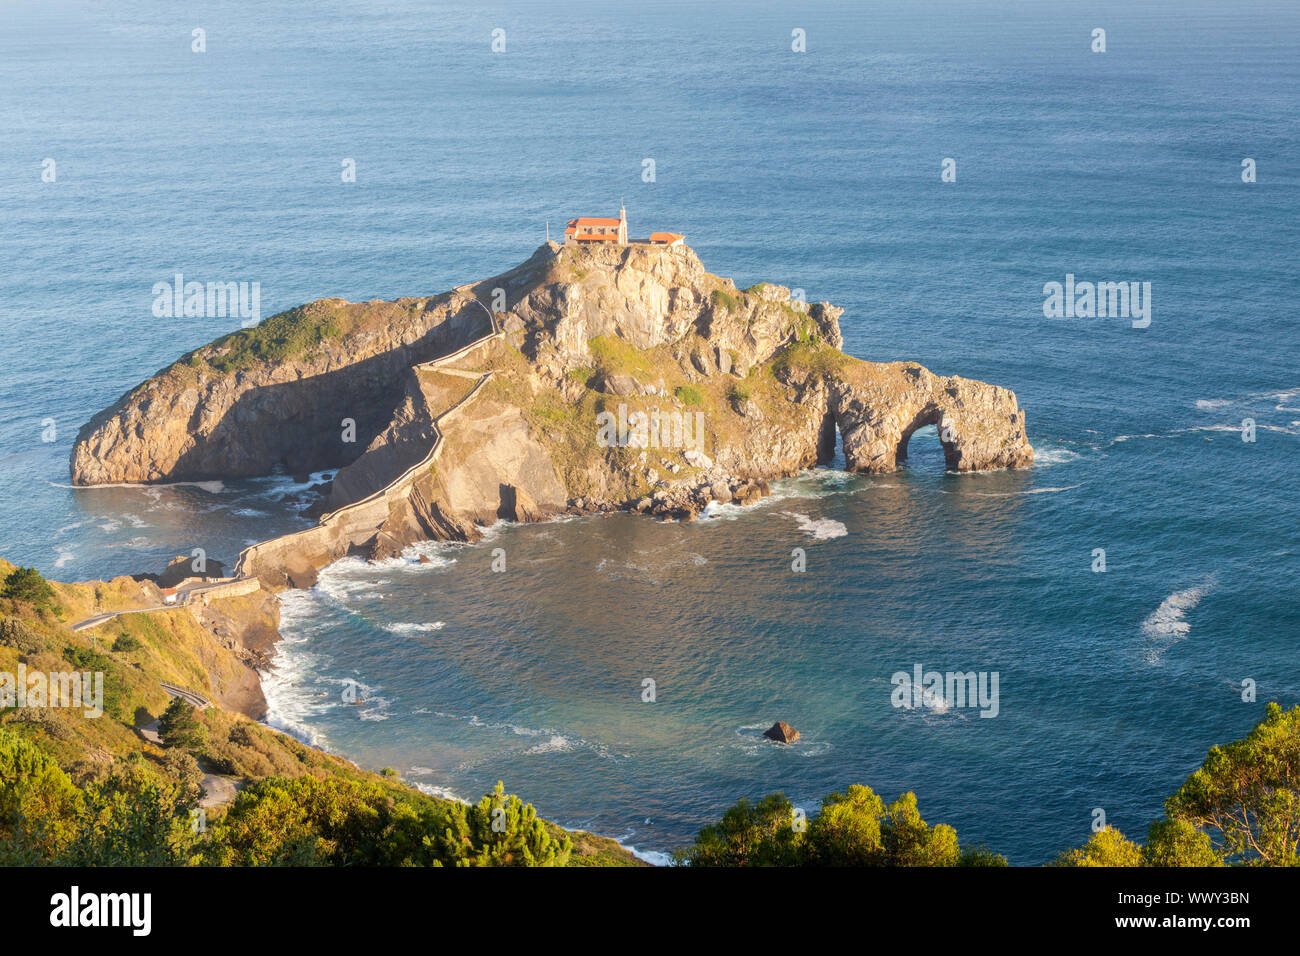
{"type": "Point", "coordinates": [583, 380]}
{"type": "Point", "coordinates": [782, 733]}
{"type": "Point", "coordinates": [278, 395]}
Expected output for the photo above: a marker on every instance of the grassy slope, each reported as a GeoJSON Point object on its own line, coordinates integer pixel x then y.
{"type": "Point", "coordinates": [173, 648]}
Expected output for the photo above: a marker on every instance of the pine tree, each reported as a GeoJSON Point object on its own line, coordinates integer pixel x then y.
{"type": "Point", "coordinates": [180, 726]}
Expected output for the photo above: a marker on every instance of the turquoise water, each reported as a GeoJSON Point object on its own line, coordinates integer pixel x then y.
{"type": "Point", "coordinates": [819, 171]}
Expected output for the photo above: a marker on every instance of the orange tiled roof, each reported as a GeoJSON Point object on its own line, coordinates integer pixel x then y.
{"type": "Point", "coordinates": [665, 237]}
{"type": "Point", "coordinates": [593, 221]}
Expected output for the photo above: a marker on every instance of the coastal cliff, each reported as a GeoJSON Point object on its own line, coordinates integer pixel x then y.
{"type": "Point", "coordinates": [585, 379]}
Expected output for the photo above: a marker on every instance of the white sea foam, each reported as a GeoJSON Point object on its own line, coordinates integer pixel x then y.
{"type": "Point", "coordinates": [653, 857]}
{"type": "Point", "coordinates": [373, 708]}
{"type": "Point", "coordinates": [1278, 398]}
{"type": "Point", "coordinates": [211, 487]}
{"type": "Point", "coordinates": [283, 486]}
{"type": "Point", "coordinates": [556, 740]}
{"type": "Point", "coordinates": [415, 628]}
{"type": "Point", "coordinates": [1123, 438]}
{"type": "Point", "coordinates": [440, 792]}
{"type": "Point", "coordinates": [814, 483]}
{"type": "Point", "coordinates": [1014, 494]}
{"type": "Point", "coordinates": [822, 529]}
{"type": "Point", "coordinates": [753, 742]}
{"type": "Point", "coordinates": [1167, 624]}
{"type": "Point", "coordinates": [294, 702]}
{"type": "Point", "coordinates": [1169, 619]}
{"type": "Point", "coordinates": [1046, 456]}
{"type": "Point", "coordinates": [934, 701]}
{"type": "Point", "coordinates": [1251, 405]}
{"type": "Point", "coordinates": [556, 743]}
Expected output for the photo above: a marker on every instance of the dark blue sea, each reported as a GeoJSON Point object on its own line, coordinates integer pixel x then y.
{"type": "Point", "coordinates": [818, 170]}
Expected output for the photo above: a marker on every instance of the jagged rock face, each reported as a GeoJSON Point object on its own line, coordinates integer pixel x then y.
{"type": "Point", "coordinates": [654, 296]}
{"type": "Point", "coordinates": [491, 456]}
{"type": "Point", "coordinates": [766, 449]}
{"type": "Point", "coordinates": [782, 733]}
{"type": "Point", "coordinates": [877, 407]}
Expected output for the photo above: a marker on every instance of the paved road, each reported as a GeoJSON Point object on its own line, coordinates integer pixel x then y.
{"type": "Point", "coordinates": [218, 789]}
{"type": "Point", "coordinates": [182, 597]}
{"type": "Point", "coordinates": [99, 619]}
{"type": "Point", "coordinates": [198, 700]}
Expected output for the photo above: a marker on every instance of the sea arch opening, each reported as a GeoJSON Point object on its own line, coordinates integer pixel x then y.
{"type": "Point", "coordinates": [934, 449]}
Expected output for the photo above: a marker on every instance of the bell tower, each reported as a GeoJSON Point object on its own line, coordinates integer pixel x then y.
{"type": "Point", "coordinates": [622, 224]}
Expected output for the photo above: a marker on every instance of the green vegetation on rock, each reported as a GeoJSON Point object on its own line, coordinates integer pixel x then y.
{"type": "Point", "coordinates": [723, 300]}
{"type": "Point", "coordinates": [689, 395]}
{"type": "Point", "coordinates": [280, 338]}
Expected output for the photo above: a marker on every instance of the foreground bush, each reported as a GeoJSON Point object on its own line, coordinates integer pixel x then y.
{"type": "Point", "coordinates": [141, 814]}
{"type": "Point", "coordinates": [854, 828]}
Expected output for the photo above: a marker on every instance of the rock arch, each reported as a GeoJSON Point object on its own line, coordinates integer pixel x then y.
{"type": "Point", "coordinates": [878, 407]}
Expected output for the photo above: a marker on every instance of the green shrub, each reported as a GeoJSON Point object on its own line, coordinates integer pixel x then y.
{"type": "Point", "coordinates": [723, 300]}
{"type": "Point", "coordinates": [689, 395]}
{"type": "Point", "coordinates": [14, 633]}
{"type": "Point", "coordinates": [582, 375]}
{"type": "Point", "coordinates": [280, 338]}
{"type": "Point", "coordinates": [126, 643]}
{"type": "Point", "coordinates": [27, 584]}
{"type": "Point", "coordinates": [38, 803]}
{"type": "Point", "coordinates": [854, 828]}
{"type": "Point", "coordinates": [117, 689]}
{"type": "Point", "coordinates": [180, 727]}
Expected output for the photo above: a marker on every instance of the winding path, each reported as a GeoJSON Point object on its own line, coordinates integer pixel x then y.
{"type": "Point", "coordinates": [247, 564]}
{"type": "Point", "coordinates": [183, 596]}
